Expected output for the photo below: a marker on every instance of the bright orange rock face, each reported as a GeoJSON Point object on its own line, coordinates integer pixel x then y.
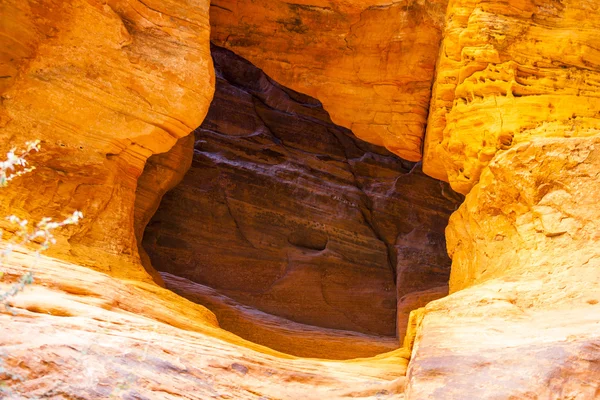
{"type": "Point", "coordinates": [104, 85]}
{"type": "Point", "coordinates": [510, 71]}
{"type": "Point", "coordinates": [370, 63]}
{"type": "Point", "coordinates": [524, 313]}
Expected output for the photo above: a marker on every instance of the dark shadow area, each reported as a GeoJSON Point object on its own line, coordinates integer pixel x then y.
{"type": "Point", "coordinates": [288, 214]}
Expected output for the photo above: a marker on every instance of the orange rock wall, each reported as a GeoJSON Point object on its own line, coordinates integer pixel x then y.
{"type": "Point", "coordinates": [78, 333]}
{"type": "Point", "coordinates": [509, 72]}
{"type": "Point", "coordinates": [104, 85]}
{"type": "Point", "coordinates": [370, 62]}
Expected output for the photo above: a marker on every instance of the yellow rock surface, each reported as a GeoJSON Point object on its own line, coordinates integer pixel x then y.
{"type": "Point", "coordinates": [508, 72]}
{"type": "Point", "coordinates": [370, 62]}
{"type": "Point", "coordinates": [524, 316]}
{"type": "Point", "coordinates": [534, 211]}
{"type": "Point", "coordinates": [103, 85]}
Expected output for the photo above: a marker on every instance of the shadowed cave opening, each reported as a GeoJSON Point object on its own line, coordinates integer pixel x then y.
{"type": "Point", "coordinates": [290, 228]}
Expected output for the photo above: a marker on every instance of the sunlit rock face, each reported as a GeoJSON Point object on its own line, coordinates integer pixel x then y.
{"type": "Point", "coordinates": [526, 281]}
{"type": "Point", "coordinates": [370, 62]}
{"type": "Point", "coordinates": [284, 211]}
{"type": "Point", "coordinates": [103, 85]}
{"type": "Point", "coordinates": [510, 71]}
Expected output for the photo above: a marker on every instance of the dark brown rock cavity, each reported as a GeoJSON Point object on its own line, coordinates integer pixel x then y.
{"type": "Point", "coordinates": [288, 213]}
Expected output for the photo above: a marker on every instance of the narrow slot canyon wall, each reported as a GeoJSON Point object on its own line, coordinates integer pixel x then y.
{"type": "Point", "coordinates": [284, 211]}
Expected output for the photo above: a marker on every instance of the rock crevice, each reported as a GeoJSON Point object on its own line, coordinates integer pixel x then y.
{"type": "Point", "coordinates": [284, 211]}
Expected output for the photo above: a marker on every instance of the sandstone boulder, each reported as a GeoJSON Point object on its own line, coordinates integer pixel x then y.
{"type": "Point", "coordinates": [524, 314]}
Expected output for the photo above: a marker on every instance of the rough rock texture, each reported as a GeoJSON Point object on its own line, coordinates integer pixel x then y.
{"type": "Point", "coordinates": [370, 62]}
{"type": "Point", "coordinates": [524, 318]}
{"type": "Point", "coordinates": [286, 212]}
{"type": "Point", "coordinates": [104, 85]}
{"type": "Point", "coordinates": [78, 333]}
{"type": "Point", "coordinates": [509, 71]}
{"type": "Point", "coordinates": [162, 173]}
{"type": "Point", "coordinates": [279, 333]}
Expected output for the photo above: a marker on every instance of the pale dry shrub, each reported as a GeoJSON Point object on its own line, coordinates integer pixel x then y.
{"type": "Point", "coordinates": [38, 235]}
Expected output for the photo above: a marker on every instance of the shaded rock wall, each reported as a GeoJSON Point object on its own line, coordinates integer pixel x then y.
{"type": "Point", "coordinates": [284, 211]}
{"type": "Point", "coordinates": [279, 333]}
{"type": "Point", "coordinates": [370, 62]}
{"type": "Point", "coordinates": [508, 72]}
{"type": "Point", "coordinates": [162, 173]}
{"type": "Point", "coordinates": [104, 85]}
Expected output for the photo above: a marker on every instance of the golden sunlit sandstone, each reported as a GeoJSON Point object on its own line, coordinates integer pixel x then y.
{"type": "Point", "coordinates": [514, 121]}
{"type": "Point", "coordinates": [370, 62]}
{"type": "Point", "coordinates": [103, 85]}
{"type": "Point", "coordinates": [510, 71]}
{"type": "Point", "coordinates": [524, 316]}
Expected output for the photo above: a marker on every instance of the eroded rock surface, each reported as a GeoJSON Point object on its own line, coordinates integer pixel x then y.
{"type": "Point", "coordinates": [524, 317]}
{"type": "Point", "coordinates": [279, 333]}
{"type": "Point", "coordinates": [103, 85]}
{"type": "Point", "coordinates": [162, 173]}
{"type": "Point", "coordinates": [508, 72]}
{"type": "Point", "coordinates": [284, 211]}
{"type": "Point", "coordinates": [78, 333]}
{"type": "Point", "coordinates": [370, 62]}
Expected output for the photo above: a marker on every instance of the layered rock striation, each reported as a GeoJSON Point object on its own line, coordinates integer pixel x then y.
{"type": "Point", "coordinates": [103, 85]}
{"type": "Point", "coordinates": [279, 333]}
{"type": "Point", "coordinates": [513, 121]}
{"type": "Point", "coordinates": [370, 62]}
{"type": "Point", "coordinates": [284, 211]}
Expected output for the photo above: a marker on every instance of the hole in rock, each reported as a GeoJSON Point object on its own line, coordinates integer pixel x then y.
{"type": "Point", "coordinates": [295, 233]}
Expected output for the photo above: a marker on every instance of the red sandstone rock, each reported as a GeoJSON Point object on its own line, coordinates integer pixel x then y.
{"type": "Point", "coordinates": [286, 212]}
{"type": "Point", "coordinates": [161, 174]}
{"type": "Point", "coordinates": [279, 333]}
